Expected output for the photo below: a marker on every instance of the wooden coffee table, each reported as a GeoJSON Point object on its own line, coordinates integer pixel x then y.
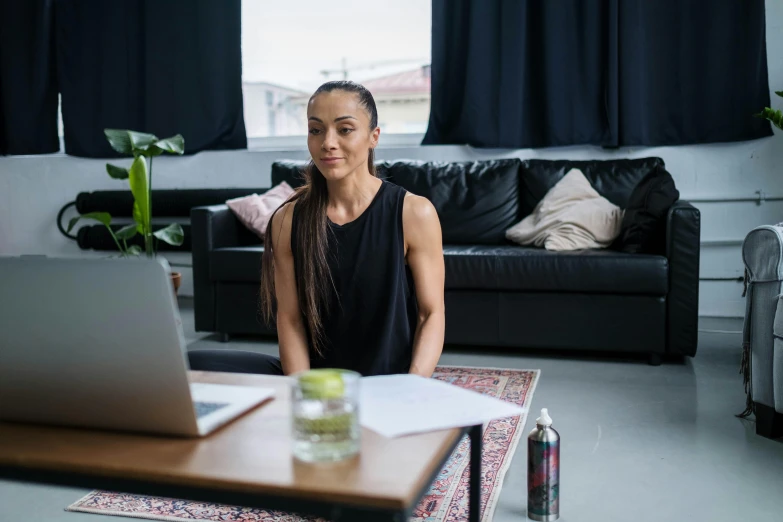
{"type": "Point", "coordinates": [246, 463]}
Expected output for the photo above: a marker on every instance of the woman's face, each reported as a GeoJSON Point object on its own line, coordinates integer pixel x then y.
{"type": "Point", "coordinates": [339, 136]}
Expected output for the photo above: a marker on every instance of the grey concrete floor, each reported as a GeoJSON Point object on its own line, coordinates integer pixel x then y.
{"type": "Point", "coordinates": [639, 443]}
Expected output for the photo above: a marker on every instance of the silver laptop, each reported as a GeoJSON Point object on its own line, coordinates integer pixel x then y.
{"type": "Point", "coordinates": [98, 343]}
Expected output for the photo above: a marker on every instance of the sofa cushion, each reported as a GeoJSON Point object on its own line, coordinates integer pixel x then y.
{"type": "Point", "coordinates": [613, 179]}
{"type": "Point", "coordinates": [644, 224]}
{"type": "Point", "coordinates": [236, 264]}
{"type": "Point", "coordinates": [572, 216]}
{"type": "Point", "coordinates": [255, 210]}
{"type": "Point", "coordinates": [514, 268]}
{"type": "Point", "coordinates": [289, 171]}
{"type": "Point", "coordinates": [476, 201]}
{"type": "Point", "coordinates": [519, 268]}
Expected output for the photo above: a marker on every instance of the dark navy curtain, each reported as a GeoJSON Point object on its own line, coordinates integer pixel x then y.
{"type": "Point", "coordinates": [543, 73]}
{"type": "Point", "coordinates": [28, 83]}
{"type": "Point", "coordinates": [158, 66]}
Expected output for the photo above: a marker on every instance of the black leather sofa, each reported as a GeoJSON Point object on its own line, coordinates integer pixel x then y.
{"type": "Point", "coordinates": [497, 293]}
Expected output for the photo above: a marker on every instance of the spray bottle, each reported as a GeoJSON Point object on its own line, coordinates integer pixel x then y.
{"type": "Point", "coordinates": [543, 470]}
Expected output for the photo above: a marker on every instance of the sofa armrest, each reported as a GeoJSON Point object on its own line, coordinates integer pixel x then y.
{"type": "Point", "coordinates": [212, 227]}
{"type": "Point", "coordinates": [683, 246]}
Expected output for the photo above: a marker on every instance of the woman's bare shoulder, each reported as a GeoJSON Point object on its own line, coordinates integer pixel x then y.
{"type": "Point", "coordinates": [418, 209]}
{"type": "Point", "coordinates": [420, 221]}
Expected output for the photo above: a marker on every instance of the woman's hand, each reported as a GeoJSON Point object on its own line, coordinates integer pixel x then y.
{"type": "Point", "coordinates": [424, 253]}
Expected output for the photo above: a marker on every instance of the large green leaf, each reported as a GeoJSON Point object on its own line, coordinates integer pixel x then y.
{"type": "Point", "coordinates": [141, 140]}
{"type": "Point", "coordinates": [172, 234]}
{"type": "Point", "coordinates": [779, 93]}
{"type": "Point", "coordinates": [119, 140]}
{"type": "Point", "coordinates": [129, 142]}
{"type": "Point", "coordinates": [127, 232]}
{"type": "Point", "coordinates": [173, 145]}
{"type": "Point", "coordinates": [116, 172]}
{"type": "Point", "coordinates": [139, 185]}
{"type": "Point", "coordinates": [103, 217]}
{"type": "Point", "coordinates": [776, 117]}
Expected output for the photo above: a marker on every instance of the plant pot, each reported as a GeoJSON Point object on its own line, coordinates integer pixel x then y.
{"type": "Point", "coordinates": [176, 279]}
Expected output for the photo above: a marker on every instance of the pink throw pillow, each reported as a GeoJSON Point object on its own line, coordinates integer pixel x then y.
{"type": "Point", "coordinates": [254, 211]}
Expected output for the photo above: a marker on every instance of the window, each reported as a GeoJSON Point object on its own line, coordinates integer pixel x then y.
{"type": "Point", "coordinates": [60, 126]}
{"type": "Point", "coordinates": [290, 48]}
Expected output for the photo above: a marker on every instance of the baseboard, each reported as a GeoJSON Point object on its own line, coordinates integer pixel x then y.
{"type": "Point", "coordinates": [721, 324]}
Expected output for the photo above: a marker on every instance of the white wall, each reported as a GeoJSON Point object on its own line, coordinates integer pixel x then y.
{"type": "Point", "coordinates": [33, 189]}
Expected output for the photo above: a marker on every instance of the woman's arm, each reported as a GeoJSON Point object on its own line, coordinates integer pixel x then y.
{"type": "Point", "coordinates": [424, 243]}
{"type": "Point", "coordinates": [291, 333]}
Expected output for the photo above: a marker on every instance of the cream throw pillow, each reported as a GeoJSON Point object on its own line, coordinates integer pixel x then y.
{"type": "Point", "coordinates": [572, 216]}
{"type": "Point", "coordinates": [254, 211]}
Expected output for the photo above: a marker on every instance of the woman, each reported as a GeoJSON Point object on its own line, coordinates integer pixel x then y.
{"type": "Point", "coordinates": [353, 265]}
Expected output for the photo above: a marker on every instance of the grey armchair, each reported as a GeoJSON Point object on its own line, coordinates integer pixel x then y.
{"type": "Point", "coordinates": [762, 254]}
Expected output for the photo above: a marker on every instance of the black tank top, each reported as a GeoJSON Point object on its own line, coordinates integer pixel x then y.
{"type": "Point", "coordinates": [371, 320]}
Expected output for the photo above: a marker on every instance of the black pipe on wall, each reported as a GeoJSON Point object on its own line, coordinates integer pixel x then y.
{"type": "Point", "coordinates": [165, 203]}
{"type": "Point", "coordinates": [96, 237]}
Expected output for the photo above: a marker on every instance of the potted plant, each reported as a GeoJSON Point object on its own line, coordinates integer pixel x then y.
{"type": "Point", "coordinates": [142, 147]}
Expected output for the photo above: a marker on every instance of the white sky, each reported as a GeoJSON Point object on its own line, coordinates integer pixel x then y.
{"type": "Point", "coordinates": [288, 42]}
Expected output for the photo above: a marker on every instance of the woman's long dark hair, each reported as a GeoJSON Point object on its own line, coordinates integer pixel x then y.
{"type": "Point", "coordinates": [314, 281]}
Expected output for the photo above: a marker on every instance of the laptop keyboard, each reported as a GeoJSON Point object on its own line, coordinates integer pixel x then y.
{"type": "Point", "coordinates": [205, 408]}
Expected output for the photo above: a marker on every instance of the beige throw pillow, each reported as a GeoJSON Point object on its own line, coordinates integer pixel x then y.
{"type": "Point", "coordinates": [254, 211]}
{"type": "Point", "coordinates": [572, 216]}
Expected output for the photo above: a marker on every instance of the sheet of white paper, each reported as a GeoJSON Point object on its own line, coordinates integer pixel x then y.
{"type": "Point", "coordinates": [396, 405]}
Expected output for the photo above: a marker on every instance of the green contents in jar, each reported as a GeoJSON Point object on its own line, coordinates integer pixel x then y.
{"type": "Point", "coordinates": [322, 384]}
{"type": "Point", "coordinates": [329, 425]}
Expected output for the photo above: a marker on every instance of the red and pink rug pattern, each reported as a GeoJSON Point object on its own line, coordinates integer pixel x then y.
{"type": "Point", "coordinates": [446, 501]}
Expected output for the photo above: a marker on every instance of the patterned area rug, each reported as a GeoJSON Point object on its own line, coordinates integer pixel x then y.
{"type": "Point", "coordinates": [446, 501]}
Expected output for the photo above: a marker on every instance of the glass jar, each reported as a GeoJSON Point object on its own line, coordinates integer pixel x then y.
{"type": "Point", "coordinates": [325, 415]}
